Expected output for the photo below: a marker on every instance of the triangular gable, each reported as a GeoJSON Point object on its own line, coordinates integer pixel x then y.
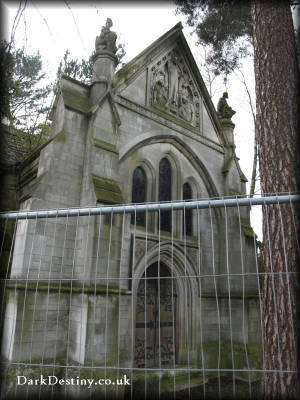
{"type": "Point", "coordinates": [166, 79]}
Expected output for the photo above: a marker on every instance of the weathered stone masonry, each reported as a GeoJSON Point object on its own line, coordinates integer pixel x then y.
{"type": "Point", "coordinates": [155, 107]}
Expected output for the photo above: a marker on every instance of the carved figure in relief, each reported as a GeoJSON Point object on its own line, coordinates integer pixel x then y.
{"type": "Point", "coordinates": [160, 90]}
{"type": "Point", "coordinates": [186, 106]}
{"type": "Point", "coordinates": [107, 38]}
{"type": "Point", "coordinates": [174, 75]}
{"type": "Point", "coordinates": [223, 109]}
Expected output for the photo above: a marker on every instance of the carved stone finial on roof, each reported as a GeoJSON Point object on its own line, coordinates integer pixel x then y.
{"type": "Point", "coordinates": [107, 39]}
{"type": "Point", "coordinates": [223, 109]}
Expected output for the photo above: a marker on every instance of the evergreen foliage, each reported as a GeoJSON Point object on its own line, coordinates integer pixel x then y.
{"type": "Point", "coordinates": [82, 70]}
{"type": "Point", "coordinates": [6, 69]}
{"type": "Point", "coordinates": [25, 97]}
{"type": "Point", "coordinates": [224, 27]}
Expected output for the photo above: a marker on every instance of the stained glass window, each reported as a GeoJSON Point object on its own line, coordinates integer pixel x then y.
{"type": "Point", "coordinates": [139, 185]}
{"type": "Point", "coordinates": [165, 193]}
{"type": "Point", "coordinates": [187, 227]}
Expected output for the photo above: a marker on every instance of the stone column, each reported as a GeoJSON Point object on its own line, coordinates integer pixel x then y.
{"type": "Point", "coordinates": [228, 127]}
{"type": "Point", "coordinates": [104, 64]}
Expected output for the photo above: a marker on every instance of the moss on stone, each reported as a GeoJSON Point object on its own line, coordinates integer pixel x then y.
{"type": "Point", "coordinates": [105, 146]}
{"type": "Point", "coordinates": [65, 287]}
{"type": "Point", "coordinates": [246, 227]}
{"type": "Point", "coordinates": [107, 190]}
{"type": "Point", "coordinates": [238, 352]}
{"type": "Point", "coordinates": [76, 101]}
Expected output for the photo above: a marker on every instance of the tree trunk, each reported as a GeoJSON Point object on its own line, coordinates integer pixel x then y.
{"type": "Point", "coordinates": [254, 168]}
{"type": "Point", "coordinates": [277, 124]}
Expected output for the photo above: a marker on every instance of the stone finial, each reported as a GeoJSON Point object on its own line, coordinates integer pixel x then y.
{"type": "Point", "coordinates": [107, 39]}
{"type": "Point", "coordinates": [223, 109]}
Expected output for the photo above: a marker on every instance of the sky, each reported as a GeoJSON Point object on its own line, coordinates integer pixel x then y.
{"type": "Point", "coordinates": [53, 28]}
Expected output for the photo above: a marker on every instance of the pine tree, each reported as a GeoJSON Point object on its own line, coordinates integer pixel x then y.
{"type": "Point", "coordinates": [25, 96]}
{"type": "Point", "coordinates": [83, 70]}
{"type": "Point", "coordinates": [277, 102]}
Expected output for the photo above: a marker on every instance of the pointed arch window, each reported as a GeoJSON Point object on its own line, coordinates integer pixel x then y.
{"type": "Point", "coordinates": [139, 187]}
{"type": "Point", "coordinates": [165, 193]}
{"type": "Point", "coordinates": [187, 223]}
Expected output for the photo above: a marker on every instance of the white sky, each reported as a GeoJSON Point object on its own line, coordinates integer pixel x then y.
{"type": "Point", "coordinates": [51, 29]}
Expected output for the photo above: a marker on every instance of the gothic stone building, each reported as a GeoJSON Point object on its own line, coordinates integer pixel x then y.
{"type": "Point", "coordinates": [146, 133]}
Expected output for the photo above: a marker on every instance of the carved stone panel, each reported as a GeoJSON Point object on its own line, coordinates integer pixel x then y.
{"type": "Point", "coordinates": [173, 89]}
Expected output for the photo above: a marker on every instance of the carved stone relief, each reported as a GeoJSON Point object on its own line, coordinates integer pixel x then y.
{"type": "Point", "coordinates": [173, 90]}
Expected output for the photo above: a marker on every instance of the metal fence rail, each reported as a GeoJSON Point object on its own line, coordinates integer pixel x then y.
{"type": "Point", "coordinates": [116, 308]}
{"type": "Point", "coordinates": [172, 205]}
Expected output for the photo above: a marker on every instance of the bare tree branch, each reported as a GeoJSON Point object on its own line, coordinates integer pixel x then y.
{"type": "Point", "coordinates": [242, 79]}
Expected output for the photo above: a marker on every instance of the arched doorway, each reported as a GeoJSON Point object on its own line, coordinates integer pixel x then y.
{"type": "Point", "coordinates": [155, 328]}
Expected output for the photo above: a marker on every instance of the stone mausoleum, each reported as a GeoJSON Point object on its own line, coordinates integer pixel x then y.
{"type": "Point", "coordinates": [146, 133]}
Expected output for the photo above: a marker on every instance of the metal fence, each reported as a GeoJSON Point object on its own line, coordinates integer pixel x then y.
{"type": "Point", "coordinates": [100, 302]}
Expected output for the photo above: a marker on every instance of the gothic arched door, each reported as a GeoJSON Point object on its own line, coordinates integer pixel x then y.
{"type": "Point", "coordinates": [155, 336]}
